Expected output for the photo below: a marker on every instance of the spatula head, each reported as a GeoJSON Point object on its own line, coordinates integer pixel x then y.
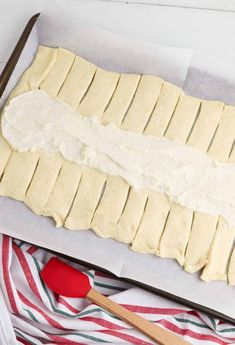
{"type": "Point", "coordinates": [64, 279]}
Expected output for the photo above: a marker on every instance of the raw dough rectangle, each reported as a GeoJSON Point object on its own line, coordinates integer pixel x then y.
{"type": "Point", "coordinates": [5, 152]}
{"type": "Point", "coordinates": [43, 182]}
{"type": "Point", "coordinates": [18, 174]}
{"type": "Point", "coordinates": [221, 248]}
{"type": "Point", "coordinates": [58, 72]}
{"type": "Point", "coordinates": [164, 109]}
{"type": "Point", "coordinates": [200, 240]}
{"type": "Point", "coordinates": [110, 207]}
{"type": "Point", "coordinates": [183, 118]}
{"type": "Point", "coordinates": [225, 135]}
{"type": "Point", "coordinates": [231, 269]}
{"type": "Point", "coordinates": [131, 216]}
{"type": "Point", "coordinates": [77, 82]}
{"type": "Point", "coordinates": [143, 103]}
{"type": "Point", "coordinates": [206, 124]}
{"type": "Point", "coordinates": [152, 224]}
{"type": "Point", "coordinates": [99, 93]}
{"type": "Point", "coordinates": [176, 233]}
{"type": "Point", "coordinates": [37, 72]}
{"type": "Point", "coordinates": [63, 193]}
{"type": "Point", "coordinates": [121, 99]}
{"type": "Point", "coordinates": [86, 200]}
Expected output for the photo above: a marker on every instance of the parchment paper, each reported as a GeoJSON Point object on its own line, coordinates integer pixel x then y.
{"type": "Point", "coordinates": [123, 54]}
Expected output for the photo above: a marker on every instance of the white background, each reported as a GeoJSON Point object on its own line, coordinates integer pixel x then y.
{"type": "Point", "coordinates": [153, 20]}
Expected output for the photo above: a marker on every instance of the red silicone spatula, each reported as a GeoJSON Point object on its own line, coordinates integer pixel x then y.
{"type": "Point", "coordinates": [67, 281]}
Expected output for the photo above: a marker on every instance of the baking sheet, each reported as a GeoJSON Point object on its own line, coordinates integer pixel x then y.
{"type": "Point", "coordinates": [123, 54]}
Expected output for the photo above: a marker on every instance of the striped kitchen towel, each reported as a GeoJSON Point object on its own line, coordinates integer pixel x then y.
{"type": "Point", "coordinates": [32, 314]}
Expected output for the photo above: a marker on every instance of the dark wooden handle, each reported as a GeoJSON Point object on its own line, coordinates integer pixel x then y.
{"type": "Point", "coordinates": [160, 335]}
{"type": "Point", "coordinates": [9, 68]}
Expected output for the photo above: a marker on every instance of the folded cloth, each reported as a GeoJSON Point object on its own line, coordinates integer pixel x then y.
{"type": "Point", "coordinates": [33, 314]}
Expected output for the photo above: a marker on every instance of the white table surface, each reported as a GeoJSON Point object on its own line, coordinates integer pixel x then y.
{"type": "Point", "coordinates": [151, 20]}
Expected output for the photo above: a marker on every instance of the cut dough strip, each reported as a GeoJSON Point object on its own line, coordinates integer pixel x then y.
{"type": "Point", "coordinates": [130, 219]}
{"type": "Point", "coordinates": [231, 269]}
{"type": "Point", "coordinates": [152, 224]}
{"type": "Point", "coordinates": [183, 118]}
{"type": "Point", "coordinates": [86, 200]}
{"type": "Point", "coordinates": [206, 124]}
{"type": "Point", "coordinates": [77, 82]}
{"type": "Point", "coordinates": [225, 135]}
{"type": "Point", "coordinates": [176, 234]}
{"type": "Point", "coordinates": [220, 251]}
{"type": "Point", "coordinates": [43, 62]}
{"type": "Point", "coordinates": [164, 109]}
{"type": "Point", "coordinates": [61, 198]}
{"type": "Point", "coordinates": [110, 207]}
{"type": "Point", "coordinates": [143, 103]}
{"type": "Point", "coordinates": [121, 99]}
{"type": "Point", "coordinates": [202, 233]}
{"type": "Point", "coordinates": [5, 153]}
{"type": "Point", "coordinates": [58, 72]}
{"type": "Point", "coordinates": [43, 182]}
{"type": "Point", "coordinates": [18, 174]}
{"type": "Point", "coordinates": [99, 93]}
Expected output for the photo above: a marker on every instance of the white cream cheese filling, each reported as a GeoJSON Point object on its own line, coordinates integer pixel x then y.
{"type": "Point", "coordinates": [35, 121]}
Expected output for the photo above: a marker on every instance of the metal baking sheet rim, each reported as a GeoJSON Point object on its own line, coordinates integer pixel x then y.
{"type": "Point", "coordinates": [4, 78]}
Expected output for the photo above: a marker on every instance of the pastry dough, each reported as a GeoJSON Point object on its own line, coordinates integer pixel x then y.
{"type": "Point", "coordinates": [231, 269]}
{"type": "Point", "coordinates": [64, 191]}
{"type": "Point", "coordinates": [121, 99]}
{"type": "Point", "coordinates": [58, 72]}
{"type": "Point", "coordinates": [143, 103]}
{"type": "Point", "coordinates": [110, 207]}
{"type": "Point", "coordinates": [86, 200]}
{"type": "Point", "coordinates": [231, 158]}
{"type": "Point", "coordinates": [220, 251]}
{"type": "Point", "coordinates": [37, 72]}
{"type": "Point", "coordinates": [43, 182]}
{"type": "Point", "coordinates": [79, 198]}
{"type": "Point", "coordinates": [99, 93]}
{"type": "Point", "coordinates": [176, 234]}
{"type": "Point", "coordinates": [130, 219]}
{"type": "Point", "coordinates": [77, 82]}
{"type": "Point", "coordinates": [164, 110]}
{"type": "Point", "coordinates": [206, 124]}
{"type": "Point", "coordinates": [224, 138]}
{"type": "Point", "coordinates": [152, 224]}
{"type": "Point", "coordinates": [202, 233]}
{"type": "Point", "coordinates": [5, 152]}
{"type": "Point", "coordinates": [183, 118]}
{"type": "Point", "coordinates": [18, 174]}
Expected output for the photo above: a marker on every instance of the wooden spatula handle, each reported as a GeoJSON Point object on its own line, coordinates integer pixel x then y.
{"type": "Point", "coordinates": [160, 335]}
